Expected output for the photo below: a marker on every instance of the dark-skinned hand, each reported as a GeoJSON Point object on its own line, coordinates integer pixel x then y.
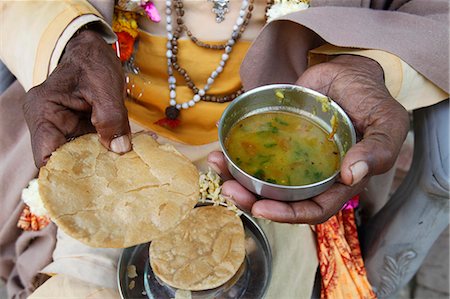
{"type": "Point", "coordinates": [357, 84]}
{"type": "Point", "coordinates": [85, 93]}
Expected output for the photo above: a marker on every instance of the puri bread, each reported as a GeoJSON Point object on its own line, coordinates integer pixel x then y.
{"type": "Point", "coordinates": [202, 252]}
{"type": "Point", "coordinates": [108, 200]}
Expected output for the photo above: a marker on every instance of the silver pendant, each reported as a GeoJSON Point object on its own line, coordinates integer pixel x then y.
{"type": "Point", "coordinates": [220, 8]}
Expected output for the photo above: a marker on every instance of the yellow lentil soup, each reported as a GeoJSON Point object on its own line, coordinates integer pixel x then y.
{"type": "Point", "coordinates": [282, 148]}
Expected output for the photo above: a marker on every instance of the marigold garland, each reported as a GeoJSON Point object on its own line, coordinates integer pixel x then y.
{"type": "Point", "coordinates": [125, 21]}
{"type": "Point", "coordinates": [30, 222]}
{"type": "Point", "coordinates": [126, 27]}
{"type": "Point", "coordinates": [126, 45]}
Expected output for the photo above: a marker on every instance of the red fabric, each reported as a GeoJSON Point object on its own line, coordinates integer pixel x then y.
{"type": "Point", "coordinates": [340, 259]}
{"type": "Point", "coordinates": [168, 123]}
{"type": "Point", "coordinates": [126, 44]}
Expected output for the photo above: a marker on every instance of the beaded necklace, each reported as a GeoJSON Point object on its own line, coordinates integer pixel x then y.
{"type": "Point", "coordinates": [172, 112]}
{"type": "Point", "coordinates": [125, 25]}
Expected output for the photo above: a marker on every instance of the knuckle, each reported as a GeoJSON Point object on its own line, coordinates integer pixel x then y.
{"type": "Point", "coordinates": [318, 69]}
{"type": "Point", "coordinates": [323, 218]}
{"type": "Point", "coordinates": [109, 120]}
{"type": "Point", "coordinates": [387, 159]}
{"type": "Point", "coordinates": [320, 219]}
{"type": "Point", "coordinates": [104, 120]}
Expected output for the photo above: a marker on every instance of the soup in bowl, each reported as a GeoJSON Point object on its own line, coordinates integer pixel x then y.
{"type": "Point", "coordinates": [285, 142]}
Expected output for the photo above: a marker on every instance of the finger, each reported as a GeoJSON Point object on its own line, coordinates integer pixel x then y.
{"type": "Point", "coordinates": [45, 136]}
{"type": "Point", "coordinates": [110, 119]}
{"type": "Point", "coordinates": [312, 211]}
{"type": "Point", "coordinates": [348, 68]}
{"type": "Point", "coordinates": [50, 127]}
{"type": "Point", "coordinates": [240, 196]}
{"type": "Point", "coordinates": [45, 139]}
{"type": "Point", "coordinates": [112, 125]}
{"type": "Point", "coordinates": [376, 153]}
{"type": "Point", "coordinates": [316, 79]}
{"type": "Point", "coordinates": [216, 160]}
{"type": "Point", "coordinates": [71, 102]}
{"type": "Point", "coordinates": [70, 123]}
{"type": "Point", "coordinates": [363, 159]}
{"type": "Point", "coordinates": [374, 112]}
{"type": "Point", "coordinates": [106, 96]}
{"type": "Point", "coordinates": [355, 167]}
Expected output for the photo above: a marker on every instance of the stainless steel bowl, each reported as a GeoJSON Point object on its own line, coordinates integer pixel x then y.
{"type": "Point", "coordinates": [294, 99]}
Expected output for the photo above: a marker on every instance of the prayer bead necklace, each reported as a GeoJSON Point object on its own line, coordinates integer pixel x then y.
{"type": "Point", "coordinates": [172, 111]}
{"type": "Point", "coordinates": [235, 35]}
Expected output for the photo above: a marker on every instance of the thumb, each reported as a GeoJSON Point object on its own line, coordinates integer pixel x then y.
{"type": "Point", "coordinates": [101, 84]}
{"type": "Point", "coordinates": [380, 119]}
{"type": "Point", "coordinates": [376, 153]}
{"type": "Point", "coordinates": [109, 114]}
{"type": "Point", "coordinates": [358, 163]}
{"type": "Point", "coordinates": [112, 125]}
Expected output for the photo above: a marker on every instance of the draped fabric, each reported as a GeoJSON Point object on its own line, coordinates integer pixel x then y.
{"type": "Point", "coordinates": [415, 26]}
{"type": "Point", "coordinates": [341, 264]}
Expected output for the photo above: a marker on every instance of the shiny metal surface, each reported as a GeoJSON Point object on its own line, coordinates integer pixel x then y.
{"type": "Point", "coordinates": [296, 99]}
{"type": "Point", "coordinates": [250, 281]}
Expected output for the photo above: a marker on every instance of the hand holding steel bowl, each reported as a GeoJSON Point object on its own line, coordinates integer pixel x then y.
{"type": "Point", "coordinates": [285, 101]}
{"type": "Point", "coordinates": [357, 84]}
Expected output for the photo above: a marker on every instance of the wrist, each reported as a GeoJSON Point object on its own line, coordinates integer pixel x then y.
{"type": "Point", "coordinates": [80, 43]}
{"type": "Point", "coordinates": [84, 36]}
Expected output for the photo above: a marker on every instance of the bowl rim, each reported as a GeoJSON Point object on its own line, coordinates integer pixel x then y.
{"type": "Point", "coordinates": [282, 86]}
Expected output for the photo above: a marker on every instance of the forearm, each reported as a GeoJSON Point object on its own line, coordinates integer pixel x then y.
{"type": "Point", "coordinates": [34, 35]}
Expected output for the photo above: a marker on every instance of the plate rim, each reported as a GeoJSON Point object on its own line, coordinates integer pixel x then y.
{"type": "Point", "coordinates": [247, 216]}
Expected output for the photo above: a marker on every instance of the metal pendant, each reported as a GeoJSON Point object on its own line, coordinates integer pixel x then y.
{"type": "Point", "coordinates": [220, 8]}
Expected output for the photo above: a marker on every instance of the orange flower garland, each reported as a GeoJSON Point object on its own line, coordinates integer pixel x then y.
{"type": "Point", "coordinates": [125, 26]}
{"type": "Point", "coordinates": [30, 222]}
{"type": "Point", "coordinates": [126, 45]}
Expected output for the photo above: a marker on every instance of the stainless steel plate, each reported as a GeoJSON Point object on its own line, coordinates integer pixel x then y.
{"type": "Point", "coordinates": [250, 281]}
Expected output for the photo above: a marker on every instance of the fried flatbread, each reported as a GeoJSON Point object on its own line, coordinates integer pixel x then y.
{"type": "Point", "coordinates": [202, 252]}
{"type": "Point", "coordinates": [108, 200]}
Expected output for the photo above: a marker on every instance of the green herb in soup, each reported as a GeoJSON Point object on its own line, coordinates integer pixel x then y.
{"type": "Point", "coordinates": [282, 148]}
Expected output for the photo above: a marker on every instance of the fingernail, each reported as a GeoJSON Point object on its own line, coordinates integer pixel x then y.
{"type": "Point", "coordinates": [151, 134]}
{"type": "Point", "coordinates": [359, 171]}
{"type": "Point", "coordinates": [120, 144]}
{"type": "Point", "coordinates": [214, 167]}
{"type": "Point", "coordinates": [229, 197]}
{"type": "Point", "coordinates": [258, 216]}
